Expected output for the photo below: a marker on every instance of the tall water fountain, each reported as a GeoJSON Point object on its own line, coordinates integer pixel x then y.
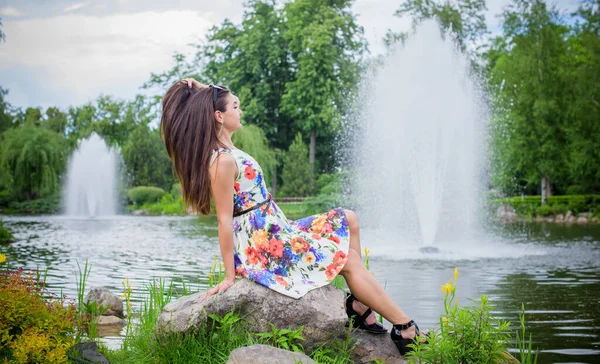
{"type": "Point", "coordinates": [418, 147]}
{"type": "Point", "coordinates": [91, 188]}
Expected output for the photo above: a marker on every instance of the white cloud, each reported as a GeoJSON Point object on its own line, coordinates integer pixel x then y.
{"type": "Point", "coordinates": [75, 6]}
{"type": "Point", "coordinates": [10, 11]}
{"type": "Point", "coordinates": [84, 56]}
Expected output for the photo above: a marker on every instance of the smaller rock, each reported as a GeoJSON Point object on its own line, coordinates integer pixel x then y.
{"type": "Point", "coordinates": [539, 219]}
{"type": "Point", "coordinates": [264, 354]}
{"type": "Point", "coordinates": [571, 219]}
{"type": "Point", "coordinates": [109, 321]}
{"type": "Point", "coordinates": [595, 220]}
{"type": "Point", "coordinates": [370, 347]}
{"type": "Point", "coordinates": [549, 219]}
{"type": "Point", "coordinates": [585, 214]}
{"type": "Point", "coordinates": [142, 212]}
{"type": "Point", "coordinates": [89, 352]}
{"type": "Point", "coordinates": [582, 220]}
{"type": "Point", "coordinates": [560, 218]}
{"type": "Point", "coordinates": [569, 215]}
{"type": "Point", "coordinates": [105, 298]}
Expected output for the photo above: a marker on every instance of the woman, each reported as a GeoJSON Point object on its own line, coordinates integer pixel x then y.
{"type": "Point", "coordinates": [256, 239]}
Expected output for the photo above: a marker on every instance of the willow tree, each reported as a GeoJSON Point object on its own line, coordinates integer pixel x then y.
{"type": "Point", "coordinates": [33, 159]}
{"type": "Point", "coordinates": [252, 140]}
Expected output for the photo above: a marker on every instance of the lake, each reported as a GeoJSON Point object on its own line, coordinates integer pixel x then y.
{"type": "Point", "coordinates": [554, 270]}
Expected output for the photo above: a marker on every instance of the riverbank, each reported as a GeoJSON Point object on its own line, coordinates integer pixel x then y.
{"type": "Point", "coordinates": [570, 209]}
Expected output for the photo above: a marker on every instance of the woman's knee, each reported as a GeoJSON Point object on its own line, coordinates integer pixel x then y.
{"type": "Point", "coordinates": [352, 219]}
{"type": "Point", "coordinates": [354, 262]}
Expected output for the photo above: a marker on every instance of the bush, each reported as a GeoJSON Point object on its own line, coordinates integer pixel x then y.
{"type": "Point", "coordinates": [45, 205]}
{"type": "Point", "coordinates": [33, 329]}
{"type": "Point", "coordinates": [143, 195]}
{"type": "Point", "coordinates": [543, 210]}
{"type": "Point", "coordinates": [574, 190]}
{"type": "Point", "coordinates": [6, 235]}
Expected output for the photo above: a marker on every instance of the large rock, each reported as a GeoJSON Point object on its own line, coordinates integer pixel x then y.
{"type": "Point", "coordinates": [506, 213]}
{"type": "Point", "coordinates": [264, 354]}
{"type": "Point", "coordinates": [321, 311]}
{"type": "Point", "coordinates": [370, 347]}
{"type": "Point", "coordinates": [582, 220]}
{"type": "Point", "coordinates": [103, 297]}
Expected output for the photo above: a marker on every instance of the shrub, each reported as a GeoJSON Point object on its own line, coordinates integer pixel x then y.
{"type": "Point", "coordinates": [33, 329]}
{"type": "Point", "coordinates": [143, 195]}
{"type": "Point", "coordinates": [558, 209]}
{"type": "Point", "coordinates": [574, 190]}
{"type": "Point", "coordinates": [45, 205]}
{"type": "Point", "coordinates": [543, 210]}
{"type": "Point", "coordinates": [6, 235]}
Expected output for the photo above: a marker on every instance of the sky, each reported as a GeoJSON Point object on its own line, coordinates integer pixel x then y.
{"type": "Point", "coordinates": [63, 53]}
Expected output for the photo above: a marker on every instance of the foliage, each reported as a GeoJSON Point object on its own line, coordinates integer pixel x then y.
{"type": "Point", "coordinates": [464, 20]}
{"type": "Point", "coordinates": [143, 195]}
{"type": "Point", "coordinates": [146, 159]}
{"type": "Point", "coordinates": [33, 327]}
{"type": "Point", "coordinates": [32, 161]}
{"type": "Point", "coordinates": [286, 339]}
{"type": "Point", "coordinates": [465, 334]}
{"type": "Point", "coordinates": [6, 235]}
{"type": "Point", "coordinates": [296, 170]}
{"type": "Point", "coordinates": [44, 205]}
{"type": "Point", "coordinates": [526, 352]}
{"type": "Point", "coordinates": [528, 206]}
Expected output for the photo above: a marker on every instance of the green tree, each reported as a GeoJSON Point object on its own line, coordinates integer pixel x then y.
{"type": "Point", "coordinates": [326, 46]}
{"type": "Point", "coordinates": [32, 160]}
{"type": "Point", "coordinates": [463, 19]}
{"type": "Point", "coordinates": [56, 120]}
{"type": "Point", "coordinates": [583, 129]}
{"type": "Point", "coordinates": [296, 170]}
{"type": "Point", "coordinates": [253, 60]}
{"type": "Point", "coordinates": [529, 88]}
{"type": "Point", "coordinates": [146, 159]}
{"type": "Point", "coordinates": [6, 120]}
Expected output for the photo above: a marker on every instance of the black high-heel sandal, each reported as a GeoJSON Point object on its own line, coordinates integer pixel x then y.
{"type": "Point", "coordinates": [402, 343]}
{"type": "Point", "coordinates": [360, 321]}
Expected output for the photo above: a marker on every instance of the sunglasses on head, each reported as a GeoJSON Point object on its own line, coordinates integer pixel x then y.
{"type": "Point", "coordinates": [215, 91]}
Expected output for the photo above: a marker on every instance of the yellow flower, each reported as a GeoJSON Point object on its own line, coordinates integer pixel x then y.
{"type": "Point", "coordinates": [455, 274]}
{"type": "Point", "coordinates": [445, 320]}
{"type": "Point", "coordinates": [367, 251]}
{"type": "Point", "coordinates": [2, 258]}
{"type": "Point", "coordinates": [446, 288]}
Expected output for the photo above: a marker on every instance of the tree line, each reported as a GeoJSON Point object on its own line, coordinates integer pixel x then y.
{"type": "Point", "coordinates": [295, 67]}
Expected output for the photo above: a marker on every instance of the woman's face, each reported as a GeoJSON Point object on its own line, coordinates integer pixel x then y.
{"type": "Point", "coordinates": [231, 117]}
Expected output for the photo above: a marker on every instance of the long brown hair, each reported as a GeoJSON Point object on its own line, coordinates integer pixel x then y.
{"type": "Point", "coordinates": [189, 130]}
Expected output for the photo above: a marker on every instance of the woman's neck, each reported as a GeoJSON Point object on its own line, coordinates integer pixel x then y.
{"type": "Point", "coordinates": [225, 139]}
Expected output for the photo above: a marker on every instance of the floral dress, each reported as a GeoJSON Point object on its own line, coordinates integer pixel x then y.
{"type": "Point", "coordinates": [290, 257]}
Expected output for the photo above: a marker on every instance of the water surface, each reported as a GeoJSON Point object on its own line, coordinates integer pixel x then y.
{"type": "Point", "coordinates": [554, 270]}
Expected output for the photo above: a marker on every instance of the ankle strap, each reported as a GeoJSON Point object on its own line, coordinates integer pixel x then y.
{"type": "Point", "coordinates": [402, 327]}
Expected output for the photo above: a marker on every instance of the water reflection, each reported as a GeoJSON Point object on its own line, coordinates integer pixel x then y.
{"type": "Point", "coordinates": [553, 269]}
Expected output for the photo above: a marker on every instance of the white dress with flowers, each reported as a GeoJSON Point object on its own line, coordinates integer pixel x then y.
{"type": "Point", "coordinates": [290, 257]}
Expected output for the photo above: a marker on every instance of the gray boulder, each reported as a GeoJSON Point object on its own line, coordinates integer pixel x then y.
{"type": "Point", "coordinates": [370, 347]}
{"type": "Point", "coordinates": [105, 298]}
{"type": "Point", "coordinates": [264, 354]}
{"type": "Point", "coordinates": [321, 311]}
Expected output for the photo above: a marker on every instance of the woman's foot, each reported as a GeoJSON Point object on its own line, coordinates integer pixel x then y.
{"type": "Point", "coordinates": [404, 334]}
{"type": "Point", "coordinates": [360, 309]}
{"type": "Point", "coordinates": [362, 317]}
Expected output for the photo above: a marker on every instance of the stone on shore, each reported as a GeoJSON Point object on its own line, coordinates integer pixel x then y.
{"type": "Point", "coordinates": [105, 298]}
{"type": "Point", "coordinates": [370, 347]}
{"type": "Point", "coordinates": [264, 354]}
{"type": "Point", "coordinates": [321, 312]}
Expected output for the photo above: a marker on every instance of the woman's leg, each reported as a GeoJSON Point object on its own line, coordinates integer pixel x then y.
{"type": "Point", "coordinates": [367, 290]}
{"type": "Point", "coordinates": [353, 225]}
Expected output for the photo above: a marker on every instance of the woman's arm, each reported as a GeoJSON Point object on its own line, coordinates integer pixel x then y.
{"type": "Point", "coordinates": [223, 173]}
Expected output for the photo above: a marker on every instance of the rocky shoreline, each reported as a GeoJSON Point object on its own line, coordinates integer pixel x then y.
{"type": "Point", "coordinates": [507, 214]}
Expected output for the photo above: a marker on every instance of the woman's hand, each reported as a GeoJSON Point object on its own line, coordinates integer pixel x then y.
{"type": "Point", "coordinates": [219, 288]}
{"type": "Point", "coordinates": [192, 83]}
